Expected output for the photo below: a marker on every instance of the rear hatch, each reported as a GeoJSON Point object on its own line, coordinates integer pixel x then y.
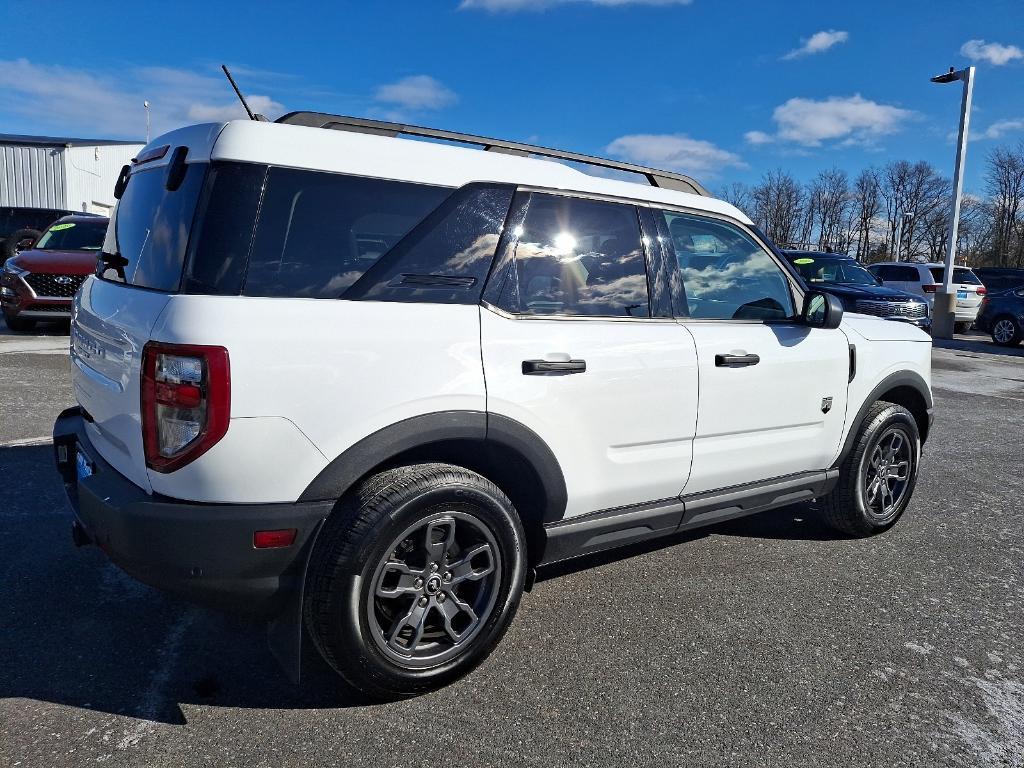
{"type": "Point", "coordinates": [968, 286]}
{"type": "Point", "coordinates": [140, 268]}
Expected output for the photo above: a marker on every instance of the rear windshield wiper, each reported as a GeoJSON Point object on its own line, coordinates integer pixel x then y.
{"type": "Point", "coordinates": [114, 261]}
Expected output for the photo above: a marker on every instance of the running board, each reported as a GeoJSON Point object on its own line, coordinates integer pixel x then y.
{"type": "Point", "coordinates": [611, 528]}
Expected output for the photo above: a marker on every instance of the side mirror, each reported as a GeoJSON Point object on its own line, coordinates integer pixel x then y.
{"type": "Point", "coordinates": [24, 243]}
{"type": "Point", "coordinates": [822, 310]}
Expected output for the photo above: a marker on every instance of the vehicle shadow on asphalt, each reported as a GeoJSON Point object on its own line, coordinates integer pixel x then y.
{"type": "Point", "coordinates": [76, 630]}
{"type": "Point", "coordinates": [978, 344]}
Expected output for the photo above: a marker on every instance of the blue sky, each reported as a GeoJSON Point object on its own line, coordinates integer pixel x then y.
{"type": "Point", "coordinates": [722, 90]}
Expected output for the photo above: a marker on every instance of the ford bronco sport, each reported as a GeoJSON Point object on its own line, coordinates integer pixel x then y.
{"type": "Point", "coordinates": [363, 385]}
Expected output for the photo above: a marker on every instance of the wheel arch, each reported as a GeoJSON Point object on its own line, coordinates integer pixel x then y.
{"type": "Point", "coordinates": [904, 388]}
{"type": "Point", "coordinates": [506, 452]}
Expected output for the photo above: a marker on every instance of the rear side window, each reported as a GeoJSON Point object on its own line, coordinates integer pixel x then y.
{"type": "Point", "coordinates": [578, 257]}
{"type": "Point", "coordinates": [151, 229]}
{"type": "Point", "coordinates": [319, 232]}
{"type": "Point", "coordinates": [961, 275]}
{"type": "Point", "coordinates": [446, 258]}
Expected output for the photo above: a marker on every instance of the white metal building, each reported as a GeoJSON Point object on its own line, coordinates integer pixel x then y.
{"type": "Point", "coordinates": [61, 172]}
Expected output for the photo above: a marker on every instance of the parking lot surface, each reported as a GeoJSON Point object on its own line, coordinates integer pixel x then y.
{"type": "Point", "coordinates": [766, 641]}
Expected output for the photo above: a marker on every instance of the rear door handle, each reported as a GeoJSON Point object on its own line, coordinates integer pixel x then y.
{"type": "Point", "coordinates": [736, 361]}
{"type": "Point", "coordinates": [553, 367]}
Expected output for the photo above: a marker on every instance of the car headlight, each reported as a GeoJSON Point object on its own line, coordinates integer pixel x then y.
{"type": "Point", "coordinates": [11, 267]}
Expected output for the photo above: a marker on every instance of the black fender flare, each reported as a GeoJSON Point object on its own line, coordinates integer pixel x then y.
{"type": "Point", "coordinates": [498, 436]}
{"type": "Point", "coordinates": [899, 379]}
{"type": "Point", "coordinates": [491, 431]}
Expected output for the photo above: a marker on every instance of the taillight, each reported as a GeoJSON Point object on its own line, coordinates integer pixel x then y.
{"type": "Point", "coordinates": [981, 290]}
{"type": "Point", "coordinates": [186, 402]}
{"type": "Point", "coordinates": [929, 288]}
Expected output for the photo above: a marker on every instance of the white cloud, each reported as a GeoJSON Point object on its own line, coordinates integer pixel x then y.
{"type": "Point", "coordinates": [69, 101]}
{"type": "Point", "coordinates": [851, 120]}
{"type": "Point", "coordinates": [416, 92]}
{"type": "Point", "coordinates": [998, 129]}
{"type": "Point", "coordinates": [539, 5]}
{"type": "Point", "coordinates": [995, 54]}
{"type": "Point", "coordinates": [819, 42]}
{"type": "Point", "coordinates": [674, 152]}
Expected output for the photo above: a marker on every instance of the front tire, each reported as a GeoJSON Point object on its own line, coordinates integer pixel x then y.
{"type": "Point", "coordinates": [962, 327]}
{"type": "Point", "coordinates": [877, 479]}
{"type": "Point", "coordinates": [1006, 331]}
{"type": "Point", "coordinates": [414, 579]}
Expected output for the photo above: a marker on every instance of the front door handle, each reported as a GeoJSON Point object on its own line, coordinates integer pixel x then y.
{"type": "Point", "coordinates": [553, 367]}
{"type": "Point", "coordinates": [736, 361]}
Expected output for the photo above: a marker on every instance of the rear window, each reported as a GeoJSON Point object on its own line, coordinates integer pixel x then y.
{"type": "Point", "coordinates": [73, 236]}
{"type": "Point", "coordinates": [151, 229]}
{"type": "Point", "coordinates": [961, 275]}
{"type": "Point", "coordinates": [319, 232]}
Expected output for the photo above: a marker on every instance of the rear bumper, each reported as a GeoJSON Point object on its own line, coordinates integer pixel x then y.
{"type": "Point", "coordinates": [203, 552]}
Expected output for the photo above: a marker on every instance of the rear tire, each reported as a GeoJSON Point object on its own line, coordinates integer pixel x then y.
{"type": "Point", "coordinates": [19, 324]}
{"type": "Point", "coordinates": [962, 327]}
{"type": "Point", "coordinates": [877, 479]}
{"type": "Point", "coordinates": [414, 579]}
{"type": "Point", "coordinates": [1006, 331]}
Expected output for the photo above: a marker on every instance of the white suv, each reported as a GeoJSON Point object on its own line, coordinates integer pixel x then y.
{"type": "Point", "coordinates": [925, 279]}
{"type": "Point", "coordinates": [364, 386]}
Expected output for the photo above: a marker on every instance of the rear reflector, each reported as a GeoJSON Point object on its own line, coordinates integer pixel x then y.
{"type": "Point", "coordinates": [273, 539]}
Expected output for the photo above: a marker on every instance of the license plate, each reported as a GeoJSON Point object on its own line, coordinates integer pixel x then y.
{"type": "Point", "coordinates": [961, 294]}
{"type": "Point", "coordinates": [83, 468]}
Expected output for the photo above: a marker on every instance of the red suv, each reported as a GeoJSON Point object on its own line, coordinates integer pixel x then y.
{"type": "Point", "coordinates": [39, 282]}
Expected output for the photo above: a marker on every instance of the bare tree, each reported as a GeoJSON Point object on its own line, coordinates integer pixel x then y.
{"type": "Point", "coordinates": [865, 205]}
{"type": "Point", "coordinates": [1004, 178]}
{"type": "Point", "coordinates": [778, 204]}
{"type": "Point", "coordinates": [828, 202]}
{"type": "Point", "coordinates": [916, 189]}
{"type": "Point", "coordinates": [740, 195]}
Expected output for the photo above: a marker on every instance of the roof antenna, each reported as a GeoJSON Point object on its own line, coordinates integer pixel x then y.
{"type": "Point", "coordinates": [238, 93]}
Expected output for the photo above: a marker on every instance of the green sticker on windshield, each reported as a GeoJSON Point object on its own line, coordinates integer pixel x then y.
{"type": "Point", "coordinates": [803, 261]}
{"type": "Point", "coordinates": [59, 227]}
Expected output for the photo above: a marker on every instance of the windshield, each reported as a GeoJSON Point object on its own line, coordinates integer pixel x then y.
{"type": "Point", "coordinates": [843, 271]}
{"type": "Point", "coordinates": [73, 236]}
{"type": "Point", "coordinates": [151, 229]}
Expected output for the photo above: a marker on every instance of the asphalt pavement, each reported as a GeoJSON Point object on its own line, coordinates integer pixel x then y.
{"type": "Point", "coordinates": [766, 641]}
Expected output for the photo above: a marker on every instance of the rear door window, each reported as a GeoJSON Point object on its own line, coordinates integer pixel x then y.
{"type": "Point", "coordinates": [578, 257]}
{"type": "Point", "coordinates": [151, 229]}
{"type": "Point", "coordinates": [319, 232]}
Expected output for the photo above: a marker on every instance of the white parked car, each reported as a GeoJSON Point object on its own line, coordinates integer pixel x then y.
{"type": "Point", "coordinates": [365, 386]}
{"type": "Point", "coordinates": [925, 279]}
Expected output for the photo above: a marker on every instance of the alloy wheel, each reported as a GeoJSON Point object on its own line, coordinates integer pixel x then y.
{"type": "Point", "coordinates": [434, 589]}
{"type": "Point", "coordinates": [887, 475]}
{"type": "Point", "coordinates": [1004, 331]}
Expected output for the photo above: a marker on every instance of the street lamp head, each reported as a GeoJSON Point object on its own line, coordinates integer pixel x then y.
{"type": "Point", "coordinates": [948, 77]}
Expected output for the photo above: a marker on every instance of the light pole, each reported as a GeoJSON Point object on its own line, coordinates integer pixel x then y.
{"type": "Point", "coordinates": [944, 316]}
{"type": "Point", "coordinates": [146, 105]}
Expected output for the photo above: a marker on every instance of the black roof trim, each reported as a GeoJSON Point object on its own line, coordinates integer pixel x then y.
{"type": "Point", "coordinates": [657, 178]}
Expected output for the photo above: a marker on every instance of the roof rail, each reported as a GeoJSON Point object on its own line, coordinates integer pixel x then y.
{"type": "Point", "coordinates": [657, 178]}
